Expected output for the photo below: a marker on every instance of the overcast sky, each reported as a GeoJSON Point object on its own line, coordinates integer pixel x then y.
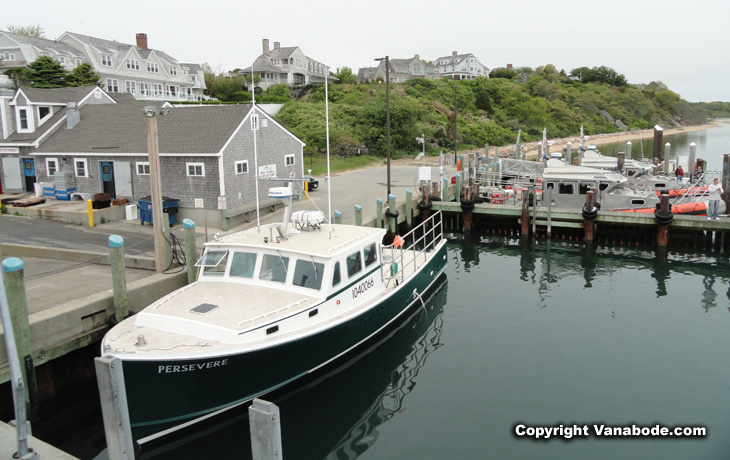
{"type": "Point", "coordinates": [680, 43]}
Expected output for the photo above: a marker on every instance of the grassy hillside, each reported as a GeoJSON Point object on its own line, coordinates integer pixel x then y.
{"type": "Point", "coordinates": [489, 111]}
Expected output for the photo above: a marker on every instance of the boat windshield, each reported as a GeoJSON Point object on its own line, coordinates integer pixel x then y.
{"type": "Point", "coordinates": [243, 264]}
{"type": "Point", "coordinates": [273, 268]}
{"type": "Point", "coordinates": [213, 262]}
{"type": "Point", "coordinates": [308, 273]}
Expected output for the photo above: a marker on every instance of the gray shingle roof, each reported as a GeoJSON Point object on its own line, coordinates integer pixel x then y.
{"type": "Point", "coordinates": [122, 128]}
{"type": "Point", "coordinates": [27, 138]}
{"type": "Point", "coordinates": [57, 95]}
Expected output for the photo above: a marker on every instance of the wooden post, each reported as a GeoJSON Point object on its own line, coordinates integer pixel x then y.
{"type": "Point", "coordinates": [156, 195]}
{"type": "Point", "coordinates": [119, 277]}
{"type": "Point", "coordinates": [265, 429]}
{"type": "Point", "coordinates": [663, 229]}
{"type": "Point", "coordinates": [392, 218]}
{"type": "Point", "coordinates": [620, 162]}
{"type": "Point", "coordinates": [358, 215]}
{"type": "Point", "coordinates": [90, 210]}
{"type": "Point", "coordinates": [628, 150]}
{"type": "Point", "coordinates": [725, 182]}
{"type": "Point", "coordinates": [667, 147]}
{"type": "Point", "coordinates": [588, 223]}
{"type": "Point", "coordinates": [525, 214]}
{"type": "Point", "coordinates": [445, 190]}
{"type": "Point", "coordinates": [409, 208]}
{"type": "Point", "coordinates": [191, 249]}
{"type": "Point", "coordinates": [168, 240]}
{"type": "Point", "coordinates": [13, 277]}
{"type": "Point", "coordinates": [658, 136]}
{"type": "Point", "coordinates": [379, 212]}
{"type": "Point", "coordinates": [549, 213]}
{"type": "Point", "coordinates": [113, 398]}
{"type": "Point", "coordinates": [338, 217]}
{"type": "Point", "coordinates": [458, 188]}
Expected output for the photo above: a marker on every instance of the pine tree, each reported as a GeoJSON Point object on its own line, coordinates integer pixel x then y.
{"type": "Point", "coordinates": [45, 72]}
{"type": "Point", "coordinates": [83, 75]}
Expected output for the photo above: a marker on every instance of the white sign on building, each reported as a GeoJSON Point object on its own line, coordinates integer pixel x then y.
{"type": "Point", "coordinates": [267, 171]}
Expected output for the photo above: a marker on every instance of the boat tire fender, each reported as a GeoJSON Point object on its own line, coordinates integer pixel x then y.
{"type": "Point", "coordinates": [589, 214]}
{"type": "Point", "coordinates": [391, 214]}
{"type": "Point", "coordinates": [467, 205]}
{"type": "Point", "coordinates": [422, 205]}
{"type": "Point", "coordinates": [663, 219]}
{"type": "Point", "coordinates": [434, 198]}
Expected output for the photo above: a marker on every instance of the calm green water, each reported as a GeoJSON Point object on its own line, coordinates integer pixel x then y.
{"type": "Point", "coordinates": [536, 334]}
{"type": "Point", "coordinates": [712, 144]}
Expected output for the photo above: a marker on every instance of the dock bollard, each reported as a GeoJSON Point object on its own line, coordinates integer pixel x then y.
{"type": "Point", "coordinates": [191, 250]}
{"type": "Point", "coordinates": [119, 277]}
{"type": "Point", "coordinates": [358, 215]}
{"type": "Point", "coordinates": [379, 212]}
{"type": "Point", "coordinates": [338, 217]}
{"type": "Point", "coordinates": [409, 208]}
{"type": "Point", "coordinates": [13, 277]}
{"type": "Point", "coordinates": [392, 214]}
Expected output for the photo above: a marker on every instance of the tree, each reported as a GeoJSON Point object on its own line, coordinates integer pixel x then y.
{"type": "Point", "coordinates": [345, 75]}
{"type": "Point", "coordinates": [83, 75]}
{"type": "Point", "coordinates": [600, 74]}
{"type": "Point", "coordinates": [502, 73]}
{"type": "Point", "coordinates": [45, 72]}
{"type": "Point", "coordinates": [31, 31]}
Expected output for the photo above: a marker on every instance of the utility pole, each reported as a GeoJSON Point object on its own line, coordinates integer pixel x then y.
{"type": "Point", "coordinates": [153, 150]}
{"type": "Point", "coordinates": [456, 139]}
{"type": "Point", "coordinates": [387, 112]}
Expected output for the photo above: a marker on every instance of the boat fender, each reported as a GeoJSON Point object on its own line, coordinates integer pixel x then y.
{"type": "Point", "coordinates": [391, 214]}
{"type": "Point", "coordinates": [589, 214]}
{"type": "Point", "coordinates": [479, 199]}
{"type": "Point", "coordinates": [467, 206]}
{"type": "Point", "coordinates": [434, 198]}
{"type": "Point", "coordinates": [663, 219]}
{"type": "Point", "coordinates": [422, 205]}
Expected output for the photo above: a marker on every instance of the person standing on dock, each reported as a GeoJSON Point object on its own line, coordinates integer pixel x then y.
{"type": "Point", "coordinates": [680, 174]}
{"type": "Point", "coordinates": [714, 190]}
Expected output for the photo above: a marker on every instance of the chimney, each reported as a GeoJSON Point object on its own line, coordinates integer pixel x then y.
{"type": "Point", "coordinates": [73, 117]}
{"type": "Point", "coordinates": [277, 45]}
{"type": "Point", "coordinates": [454, 53]}
{"type": "Point", "coordinates": [142, 41]}
{"type": "Point", "coordinates": [509, 66]}
{"type": "Point", "coordinates": [265, 43]}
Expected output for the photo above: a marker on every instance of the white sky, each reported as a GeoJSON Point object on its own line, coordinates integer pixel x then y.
{"type": "Point", "coordinates": [677, 42]}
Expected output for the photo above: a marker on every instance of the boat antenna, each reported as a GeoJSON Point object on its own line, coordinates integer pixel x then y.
{"type": "Point", "coordinates": [254, 128]}
{"type": "Point", "coordinates": [327, 124]}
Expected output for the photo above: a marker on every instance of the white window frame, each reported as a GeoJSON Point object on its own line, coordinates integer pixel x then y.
{"type": "Point", "coordinates": [289, 160]}
{"type": "Point", "coordinates": [130, 86]}
{"type": "Point", "coordinates": [85, 163]}
{"type": "Point", "coordinates": [50, 161]}
{"type": "Point", "coordinates": [195, 165]}
{"type": "Point", "coordinates": [8, 56]}
{"type": "Point", "coordinates": [173, 70]}
{"type": "Point", "coordinates": [112, 85]}
{"type": "Point", "coordinates": [143, 168]}
{"type": "Point", "coordinates": [158, 89]}
{"type": "Point", "coordinates": [44, 119]}
{"type": "Point", "coordinates": [254, 121]}
{"type": "Point", "coordinates": [133, 64]}
{"type": "Point", "coordinates": [144, 88]}
{"type": "Point", "coordinates": [243, 163]}
{"type": "Point", "coordinates": [62, 59]}
{"type": "Point", "coordinates": [107, 60]}
{"type": "Point", "coordinates": [153, 67]}
{"type": "Point", "coordinates": [28, 114]}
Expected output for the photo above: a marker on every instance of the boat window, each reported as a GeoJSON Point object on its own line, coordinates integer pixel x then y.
{"type": "Point", "coordinates": [584, 188]}
{"type": "Point", "coordinates": [550, 186]}
{"type": "Point", "coordinates": [213, 263]}
{"type": "Point", "coordinates": [336, 277]}
{"type": "Point", "coordinates": [631, 173]}
{"type": "Point", "coordinates": [308, 274]}
{"type": "Point", "coordinates": [565, 189]}
{"type": "Point", "coordinates": [243, 264]}
{"type": "Point", "coordinates": [602, 187]}
{"type": "Point", "coordinates": [637, 201]}
{"type": "Point", "coordinates": [354, 264]}
{"type": "Point", "coordinates": [273, 268]}
{"type": "Point", "coordinates": [371, 255]}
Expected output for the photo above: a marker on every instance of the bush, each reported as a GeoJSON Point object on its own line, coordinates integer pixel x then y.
{"type": "Point", "coordinates": [241, 96]}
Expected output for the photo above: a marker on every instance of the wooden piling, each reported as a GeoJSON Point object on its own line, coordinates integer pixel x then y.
{"type": "Point", "coordinates": [119, 277]}
{"type": "Point", "coordinates": [628, 150]}
{"type": "Point", "coordinates": [691, 165]}
{"type": "Point", "coordinates": [191, 250]}
{"type": "Point", "coordinates": [458, 188]}
{"type": "Point", "coordinates": [392, 214]}
{"type": "Point", "coordinates": [409, 208]}
{"type": "Point", "coordinates": [168, 241]}
{"type": "Point", "coordinates": [379, 212]}
{"type": "Point", "coordinates": [338, 217]}
{"type": "Point", "coordinates": [525, 214]}
{"type": "Point", "coordinates": [667, 148]}
{"type": "Point", "coordinates": [620, 161]}
{"type": "Point", "coordinates": [663, 229]}
{"type": "Point", "coordinates": [657, 146]}
{"type": "Point", "coordinates": [13, 277]}
{"type": "Point", "coordinates": [588, 224]}
{"type": "Point", "coordinates": [726, 181]}
{"type": "Point", "coordinates": [358, 215]}
{"type": "Point", "coordinates": [265, 430]}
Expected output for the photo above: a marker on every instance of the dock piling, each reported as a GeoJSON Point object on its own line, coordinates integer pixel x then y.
{"type": "Point", "coordinates": [168, 241]}
{"type": "Point", "coordinates": [265, 429]}
{"type": "Point", "coordinates": [409, 208]}
{"type": "Point", "coordinates": [113, 396]}
{"type": "Point", "coordinates": [191, 250]}
{"type": "Point", "coordinates": [119, 277]}
{"type": "Point", "coordinates": [691, 165]}
{"type": "Point", "coordinates": [379, 213]}
{"type": "Point", "coordinates": [338, 217]}
{"type": "Point", "coordinates": [663, 228]}
{"type": "Point", "coordinates": [392, 214]}
{"type": "Point", "coordinates": [525, 215]}
{"type": "Point", "coordinates": [588, 223]}
{"type": "Point", "coordinates": [358, 215]}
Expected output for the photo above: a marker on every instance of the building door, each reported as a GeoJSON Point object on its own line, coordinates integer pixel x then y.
{"type": "Point", "coordinates": [123, 179]}
{"type": "Point", "coordinates": [107, 178]}
{"type": "Point", "coordinates": [29, 172]}
{"type": "Point", "coordinates": [12, 175]}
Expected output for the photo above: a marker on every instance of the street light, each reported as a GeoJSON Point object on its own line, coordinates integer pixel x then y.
{"type": "Point", "coordinates": [387, 110]}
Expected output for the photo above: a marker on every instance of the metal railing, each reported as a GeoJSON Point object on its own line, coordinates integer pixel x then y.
{"type": "Point", "coordinates": [418, 244]}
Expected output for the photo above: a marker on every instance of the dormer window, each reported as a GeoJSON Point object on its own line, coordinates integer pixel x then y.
{"type": "Point", "coordinates": [173, 70]}
{"type": "Point", "coordinates": [24, 120]}
{"type": "Point", "coordinates": [132, 64]}
{"type": "Point", "coordinates": [106, 59]}
{"type": "Point", "coordinates": [7, 56]}
{"type": "Point", "coordinates": [153, 67]}
{"type": "Point", "coordinates": [62, 59]}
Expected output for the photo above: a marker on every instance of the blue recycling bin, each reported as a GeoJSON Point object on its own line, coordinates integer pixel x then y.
{"type": "Point", "coordinates": [169, 207]}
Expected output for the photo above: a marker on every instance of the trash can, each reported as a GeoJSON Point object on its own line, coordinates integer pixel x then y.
{"type": "Point", "coordinates": [169, 207]}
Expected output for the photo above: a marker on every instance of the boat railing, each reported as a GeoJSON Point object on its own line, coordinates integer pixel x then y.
{"type": "Point", "coordinates": [399, 263]}
{"type": "Point", "coordinates": [697, 186]}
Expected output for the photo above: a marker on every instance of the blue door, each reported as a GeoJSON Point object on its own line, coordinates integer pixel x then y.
{"type": "Point", "coordinates": [107, 178]}
{"type": "Point", "coordinates": [29, 172]}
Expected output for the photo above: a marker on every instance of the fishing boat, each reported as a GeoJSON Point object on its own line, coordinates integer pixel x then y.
{"type": "Point", "coordinates": [270, 305]}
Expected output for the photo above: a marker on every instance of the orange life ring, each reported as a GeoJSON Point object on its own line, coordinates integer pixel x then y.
{"type": "Point", "coordinates": [497, 198]}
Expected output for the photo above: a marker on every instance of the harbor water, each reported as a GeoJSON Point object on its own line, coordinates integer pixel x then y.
{"type": "Point", "coordinates": [536, 334]}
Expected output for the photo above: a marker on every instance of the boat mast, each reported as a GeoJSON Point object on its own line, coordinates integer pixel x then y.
{"type": "Point", "coordinates": [327, 140]}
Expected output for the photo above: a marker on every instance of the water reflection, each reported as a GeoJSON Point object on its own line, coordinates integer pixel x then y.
{"type": "Point", "coordinates": [544, 263]}
{"type": "Point", "coordinates": [336, 415]}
